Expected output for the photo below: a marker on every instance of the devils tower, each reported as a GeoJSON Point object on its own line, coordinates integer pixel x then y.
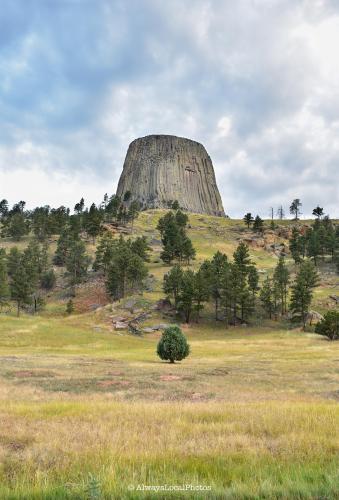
{"type": "Point", "coordinates": [159, 169]}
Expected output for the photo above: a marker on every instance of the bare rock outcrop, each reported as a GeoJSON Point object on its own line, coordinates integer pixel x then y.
{"type": "Point", "coordinates": [160, 169]}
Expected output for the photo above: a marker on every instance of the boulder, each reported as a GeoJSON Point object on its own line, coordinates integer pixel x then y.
{"type": "Point", "coordinates": [314, 316]}
{"type": "Point", "coordinates": [119, 325]}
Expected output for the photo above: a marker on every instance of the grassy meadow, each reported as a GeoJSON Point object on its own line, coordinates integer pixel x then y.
{"type": "Point", "coordinates": [88, 412]}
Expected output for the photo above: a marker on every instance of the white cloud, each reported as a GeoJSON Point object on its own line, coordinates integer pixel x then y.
{"type": "Point", "coordinates": [224, 126]}
{"type": "Point", "coordinates": [38, 187]}
{"type": "Point", "coordinates": [256, 82]}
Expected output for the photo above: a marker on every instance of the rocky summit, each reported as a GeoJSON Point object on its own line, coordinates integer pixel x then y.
{"type": "Point", "coordinates": [160, 169]}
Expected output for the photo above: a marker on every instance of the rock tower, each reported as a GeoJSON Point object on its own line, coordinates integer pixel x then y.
{"type": "Point", "coordinates": [159, 169]}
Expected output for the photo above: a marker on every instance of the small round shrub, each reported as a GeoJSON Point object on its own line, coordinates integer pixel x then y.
{"type": "Point", "coordinates": [173, 345]}
{"type": "Point", "coordinates": [69, 307]}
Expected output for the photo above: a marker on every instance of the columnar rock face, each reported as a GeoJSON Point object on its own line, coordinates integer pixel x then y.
{"type": "Point", "coordinates": [159, 169]}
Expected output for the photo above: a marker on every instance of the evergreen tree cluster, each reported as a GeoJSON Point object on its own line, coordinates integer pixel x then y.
{"type": "Point", "coordinates": [232, 286]}
{"type": "Point", "coordinates": [317, 242]}
{"type": "Point", "coordinates": [177, 245]}
{"type": "Point", "coordinates": [23, 274]}
{"type": "Point", "coordinates": [43, 222]}
{"type": "Point", "coordinates": [123, 263]}
{"type": "Point", "coordinates": [122, 211]}
{"type": "Point", "coordinates": [257, 223]}
{"type": "Point", "coordinates": [71, 252]}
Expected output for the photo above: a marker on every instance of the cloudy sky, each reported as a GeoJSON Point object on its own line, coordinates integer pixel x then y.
{"type": "Point", "coordinates": [256, 81]}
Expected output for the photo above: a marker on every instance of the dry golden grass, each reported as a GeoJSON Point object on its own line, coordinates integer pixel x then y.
{"type": "Point", "coordinates": [88, 412]}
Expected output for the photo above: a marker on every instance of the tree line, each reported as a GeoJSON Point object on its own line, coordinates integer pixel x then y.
{"type": "Point", "coordinates": [234, 289]}
{"type": "Point", "coordinates": [43, 222]}
{"type": "Point", "coordinates": [316, 242]}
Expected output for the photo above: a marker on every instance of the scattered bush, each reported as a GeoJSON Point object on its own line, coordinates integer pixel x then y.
{"type": "Point", "coordinates": [173, 345]}
{"type": "Point", "coordinates": [69, 307]}
{"type": "Point", "coordinates": [329, 326]}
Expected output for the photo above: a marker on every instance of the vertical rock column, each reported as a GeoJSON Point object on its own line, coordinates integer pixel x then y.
{"type": "Point", "coordinates": [159, 169]}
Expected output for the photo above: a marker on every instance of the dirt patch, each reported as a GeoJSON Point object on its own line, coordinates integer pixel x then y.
{"type": "Point", "coordinates": [168, 378]}
{"type": "Point", "coordinates": [32, 373]}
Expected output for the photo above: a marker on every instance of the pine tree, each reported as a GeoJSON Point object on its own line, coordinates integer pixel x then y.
{"type": "Point", "coordinates": [20, 285]}
{"type": "Point", "coordinates": [93, 222]}
{"type": "Point", "coordinates": [258, 225]}
{"type": "Point", "coordinates": [112, 207]}
{"type": "Point", "coordinates": [253, 280]}
{"type": "Point", "coordinates": [226, 292]}
{"type": "Point", "coordinates": [140, 247]}
{"type": "Point", "coordinates": [187, 251]}
{"type": "Point", "coordinates": [242, 258]}
{"type": "Point", "coordinates": [216, 271]}
{"type": "Point", "coordinates": [200, 291]}
{"type": "Point", "coordinates": [48, 279]}
{"type": "Point", "coordinates": [18, 227]}
{"type": "Point", "coordinates": [295, 208]}
{"type": "Point", "coordinates": [242, 299]}
{"type": "Point", "coordinates": [126, 271]}
{"type": "Point", "coordinates": [13, 260]}
{"type": "Point", "coordinates": [267, 297]}
{"type": "Point", "coordinates": [331, 242]}
{"type": "Point", "coordinates": [313, 245]}
{"type": "Point", "coordinates": [136, 272]}
{"type": "Point", "coordinates": [133, 212]}
{"type": "Point", "coordinates": [248, 219]}
{"type": "Point", "coordinates": [3, 208]}
{"type": "Point", "coordinates": [173, 345]}
{"type": "Point", "coordinates": [318, 212]}
{"type": "Point", "coordinates": [41, 226]}
{"type": "Point", "coordinates": [306, 280]}
{"type": "Point", "coordinates": [176, 243]}
{"type": "Point", "coordinates": [281, 280]}
{"type": "Point", "coordinates": [79, 207]}
{"type": "Point", "coordinates": [181, 219]}
{"type": "Point", "coordinates": [295, 245]}
{"type": "Point", "coordinates": [172, 283]}
{"type": "Point", "coordinates": [64, 243]}
{"type": "Point", "coordinates": [104, 252]}
{"type": "Point", "coordinates": [4, 284]}
{"type": "Point", "coordinates": [77, 262]}
{"type": "Point", "coordinates": [186, 297]}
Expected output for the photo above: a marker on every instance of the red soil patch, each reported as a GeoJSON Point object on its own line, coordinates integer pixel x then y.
{"type": "Point", "coordinates": [167, 378]}
{"type": "Point", "coordinates": [107, 383]}
{"type": "Point", "coordinates": [90, 295]}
